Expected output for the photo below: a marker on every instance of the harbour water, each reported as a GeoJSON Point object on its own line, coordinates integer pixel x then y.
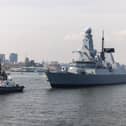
{"type": "Point", "coordinates": [40, 105]}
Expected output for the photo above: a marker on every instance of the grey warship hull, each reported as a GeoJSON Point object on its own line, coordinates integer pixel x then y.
{"type": "Point", "coordinates": [69, 80]}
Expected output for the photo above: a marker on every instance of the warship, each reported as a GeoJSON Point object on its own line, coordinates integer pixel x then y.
{"type": "Point", "coordinates": [90, 69]}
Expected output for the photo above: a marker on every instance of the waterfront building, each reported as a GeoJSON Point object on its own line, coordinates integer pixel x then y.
{"type": "Point", "coordinates": [2, 58]}
{"type": "Point", "coordinates": [13, 58]}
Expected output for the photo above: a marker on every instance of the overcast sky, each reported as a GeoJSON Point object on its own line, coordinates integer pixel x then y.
{"type": "Point", "coordinates": [52, 29]}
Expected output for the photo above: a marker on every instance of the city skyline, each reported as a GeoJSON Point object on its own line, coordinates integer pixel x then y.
{"type": "Point", "coordinates": [42, 29]}
{"type": "Point", "coordinates": [11, 58]}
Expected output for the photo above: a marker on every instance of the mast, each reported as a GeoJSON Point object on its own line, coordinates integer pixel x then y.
{"type": "Point", "coordinates": [102, 51]}
{"type": "Point", "coordinates": [102, 41]}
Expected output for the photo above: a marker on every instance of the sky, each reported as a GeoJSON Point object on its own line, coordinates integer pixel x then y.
{"type": "Point", "coordinates": [51, 29]}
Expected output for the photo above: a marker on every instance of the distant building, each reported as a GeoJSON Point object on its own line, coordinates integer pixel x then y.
{"type": "Point", "coordinates": [2, 58]}
{"type": "Point", "coordinates": [29, 62]}
{"type": "Point", "coordinates": [13, 58]}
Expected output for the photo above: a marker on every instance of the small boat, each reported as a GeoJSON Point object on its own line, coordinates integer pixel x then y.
{"type": "Point", "coordinates": [9, 86]}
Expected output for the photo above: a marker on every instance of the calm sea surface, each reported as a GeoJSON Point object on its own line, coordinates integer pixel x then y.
{"type": "Point", "coordinates": [39, 105]}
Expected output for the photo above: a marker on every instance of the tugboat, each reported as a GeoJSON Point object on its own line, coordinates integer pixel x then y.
{"type": "Point", "coordinates": [7, 85]}
{"type": "Point", "coordinates": [92, 68]}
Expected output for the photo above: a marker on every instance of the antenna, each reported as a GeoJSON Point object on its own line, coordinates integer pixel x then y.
{"type": "Point", "coordinates": [102, 52]}
{"type": "Point", "coordinates": [103, 41]}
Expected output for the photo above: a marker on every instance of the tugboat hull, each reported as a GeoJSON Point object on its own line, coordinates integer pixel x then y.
{"type": "Point", "coordinates": [6, 90]}
{"type": "Point", "coordinates": [70, 80]}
